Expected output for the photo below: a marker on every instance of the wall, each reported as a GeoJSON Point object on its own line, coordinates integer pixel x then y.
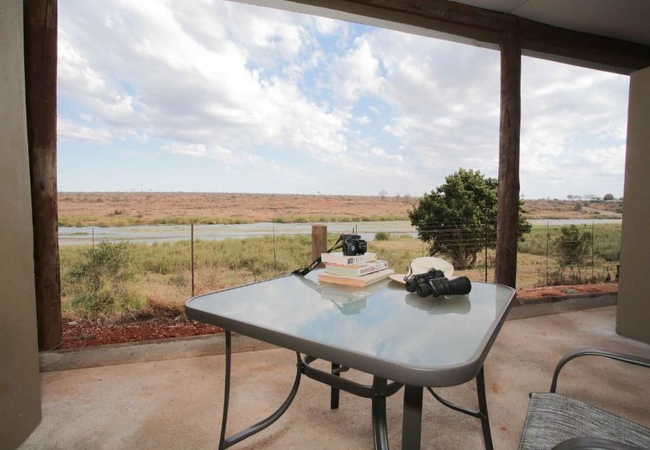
{"type": "Point", "coordinates": [20, 398]}
{"type": "Point", "coordinates": [633, 318]}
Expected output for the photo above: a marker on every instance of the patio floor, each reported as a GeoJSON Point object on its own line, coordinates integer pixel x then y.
{"type": "Point", "coordinates": [176, 404]}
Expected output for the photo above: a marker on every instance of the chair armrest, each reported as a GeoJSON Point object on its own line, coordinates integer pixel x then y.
{"type": "Point", "coordinates": [630, 359]}
{"type": "Point", "coordinates": [587, 443]}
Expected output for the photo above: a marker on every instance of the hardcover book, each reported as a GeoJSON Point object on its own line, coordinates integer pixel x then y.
{"type": "Point", "coordinates": [356, 270]}
{"type": "Point", "coordinates": [361, 281]}
{"type": "Point", "coordinates": [340, 258]}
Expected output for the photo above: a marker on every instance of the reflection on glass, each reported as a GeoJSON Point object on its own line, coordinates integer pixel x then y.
{"type": "Point", "coordinates": [452, 304]}
{"type": "Point", "coordinates": [348, 300]}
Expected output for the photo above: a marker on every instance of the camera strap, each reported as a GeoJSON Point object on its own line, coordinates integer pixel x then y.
{"type": "Point", "coordinates": [304, 271]}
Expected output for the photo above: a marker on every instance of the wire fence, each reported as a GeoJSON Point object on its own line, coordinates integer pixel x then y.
{"type": "Point", "coordinates": [172, 269]}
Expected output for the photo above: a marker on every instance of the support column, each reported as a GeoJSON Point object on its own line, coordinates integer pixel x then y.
{"type": "Point", "coordinates": [634, 284]}
{"type": "Point", "coordinates": [508, 207]}
{"type": "Point", "coordinates": [40, 22]}
{"type": "Point", "coordinates": [20, 395]}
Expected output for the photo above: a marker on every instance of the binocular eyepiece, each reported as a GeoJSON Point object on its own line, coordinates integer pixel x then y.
{"type": "Point", "coordinates": [435, 284]}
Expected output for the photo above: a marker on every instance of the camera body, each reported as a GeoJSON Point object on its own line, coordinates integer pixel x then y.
{"type": "Point", "coordinates": [352, 245]}
{"type": "Point", "coordinates": [433, 283]}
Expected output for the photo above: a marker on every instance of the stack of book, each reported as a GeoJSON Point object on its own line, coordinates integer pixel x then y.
{"type": "Point", "coordinates": [355, 271]}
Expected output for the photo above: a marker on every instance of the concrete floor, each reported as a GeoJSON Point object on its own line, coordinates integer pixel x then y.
{"type": "Point", "coordinates": [176, 404]}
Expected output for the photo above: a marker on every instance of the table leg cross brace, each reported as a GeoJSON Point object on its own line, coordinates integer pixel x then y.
{"type": "Point", "coordinates": [225, 442]}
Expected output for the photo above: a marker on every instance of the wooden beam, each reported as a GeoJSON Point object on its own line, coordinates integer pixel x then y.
{"type": "Point", "coordinates": [40, 28]}
{"type": "Point", "coordinates": [508, 193]}
{"type": "Point", "coordinates": [480, 25]}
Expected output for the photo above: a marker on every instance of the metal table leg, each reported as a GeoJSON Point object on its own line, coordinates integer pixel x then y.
{"type": "Point", "coordinates": [412, 419]}
{"type": "Point", "coordinates": [482, 413]}
{"type": "Point", "coordinates": [225, 442]}
{"type": "Point", "coordinates": [379, 426]}
{"type": "Point", "coordinates": [482, 406]}
{"type": "Point", "coordinates": [334, 399]}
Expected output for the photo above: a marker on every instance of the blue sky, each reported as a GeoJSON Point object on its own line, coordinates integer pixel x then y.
{"type": "Point", "coordinates": [217, 96]}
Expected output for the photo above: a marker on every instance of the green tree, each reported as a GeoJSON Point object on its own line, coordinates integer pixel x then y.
{"type": "Point", "coordinates": [608, 197]}
{"type": "Point", "coordinates": [459, 218]}
{"type": "Point", "coordinates": [571, 247]}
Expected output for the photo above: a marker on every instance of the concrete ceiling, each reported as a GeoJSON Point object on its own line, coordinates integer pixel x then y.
{"type": "Point", "coordinates": [628, 20]}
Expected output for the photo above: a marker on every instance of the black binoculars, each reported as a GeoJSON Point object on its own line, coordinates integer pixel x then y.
{"type": "Point", "coordinates": [435, 284]}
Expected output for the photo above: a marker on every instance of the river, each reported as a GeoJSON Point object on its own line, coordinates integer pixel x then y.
{"type": "Point", "coordinates": [170, 233]}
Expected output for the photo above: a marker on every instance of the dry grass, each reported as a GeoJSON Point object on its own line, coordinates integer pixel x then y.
{"type": "Point", "coordinates": [158, 208]}
{"type": "Point", "coordinates": [140, 208]}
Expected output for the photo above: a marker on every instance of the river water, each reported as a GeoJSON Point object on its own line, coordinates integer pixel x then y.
{"type": "Point", "coordinates": [170, 233]}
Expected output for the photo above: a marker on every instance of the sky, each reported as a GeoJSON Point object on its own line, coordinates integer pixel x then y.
{"type": "Point", "coordinates": [217, 96]}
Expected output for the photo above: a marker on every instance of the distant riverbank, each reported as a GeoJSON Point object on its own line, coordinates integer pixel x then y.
{"type": "Point", "coordinates": [172, 233]}
{"type": "Point", "coordinates": [121, 209]}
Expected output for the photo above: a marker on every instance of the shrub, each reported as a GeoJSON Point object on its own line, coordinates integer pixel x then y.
{"type": "Point", "coordinates": [571, 247]}
{"type": "Point", "coordinates": [98, 283]}
{"type": "Point", "coordinates": [382, 236]}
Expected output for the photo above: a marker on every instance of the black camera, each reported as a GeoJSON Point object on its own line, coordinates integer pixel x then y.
{"type": "Point", "coordinates": [352, 244]}
{"type": "Point", "coordinates": [435, 284]}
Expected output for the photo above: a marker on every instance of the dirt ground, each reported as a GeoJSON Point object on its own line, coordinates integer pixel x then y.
{"type": "Point", "coordinates": [77, 335]}
{"type": "Point", "coordinates": [564, 209]}
{"type": "Point", "coordinates": [148, 206]}
{"type": "Point", "coordinates": [255, 207]}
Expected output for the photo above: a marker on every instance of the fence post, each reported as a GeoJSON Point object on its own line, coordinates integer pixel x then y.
{"type": "Point", "coordinates": [548, 238]}
{"type": "Point", "coordinates": [593, 238]}
{"type": "Point", "coordinates": [318, 241]}
{"type": "Point", "coordinates": [486, 244]}
{"type": "Point", "coordinates": [192, 254]}
{"type": "Point", "coordinates": [275, 263]}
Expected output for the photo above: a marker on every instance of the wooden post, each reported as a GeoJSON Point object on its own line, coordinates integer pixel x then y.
{"type": "Point", "coordinates": [192, 254]}
{"type": "Point", "coordinates": [40, 23]}
{"type": "Point", "coordinates": [318, 241]}
{"type": "Point", "coordinates": [508, 207]}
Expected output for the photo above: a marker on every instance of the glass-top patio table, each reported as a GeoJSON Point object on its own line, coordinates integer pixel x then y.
{"type": "Point", "coordinates": [381, 329]}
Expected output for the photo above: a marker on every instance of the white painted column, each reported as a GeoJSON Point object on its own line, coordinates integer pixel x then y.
{"type": "Point", "coordinates": [20, 397]}
{"type": "Point", "coordinates": [633, 318]}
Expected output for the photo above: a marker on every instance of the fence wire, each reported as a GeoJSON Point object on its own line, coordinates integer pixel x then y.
{"type": "Point", "coordinates": [190, 265]}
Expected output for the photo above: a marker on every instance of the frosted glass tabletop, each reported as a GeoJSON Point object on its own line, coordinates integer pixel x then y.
{"type": "Point", "coordinates": [380, 329]}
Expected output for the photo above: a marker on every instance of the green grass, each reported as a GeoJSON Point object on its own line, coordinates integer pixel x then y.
{"type": "Point", "coordinates": [607, 240]}
{"type": "Point", "coordinates": [162, 271]}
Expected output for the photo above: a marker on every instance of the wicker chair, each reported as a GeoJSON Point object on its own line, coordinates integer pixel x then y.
{"type": "Point", "coordinates": [558, 422]}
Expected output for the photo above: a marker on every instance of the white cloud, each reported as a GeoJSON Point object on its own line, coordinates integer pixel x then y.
{"type": "Point", "coordinates": [573, 129]}
{"type": "Point", "coordinates": [357, 73]}
{"type": "Point", "coordinates": [186, 149]}
{"type": "Point", "coordinates": [68, 129]}
{"type": "Point", "coordinates": [327, 26]}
